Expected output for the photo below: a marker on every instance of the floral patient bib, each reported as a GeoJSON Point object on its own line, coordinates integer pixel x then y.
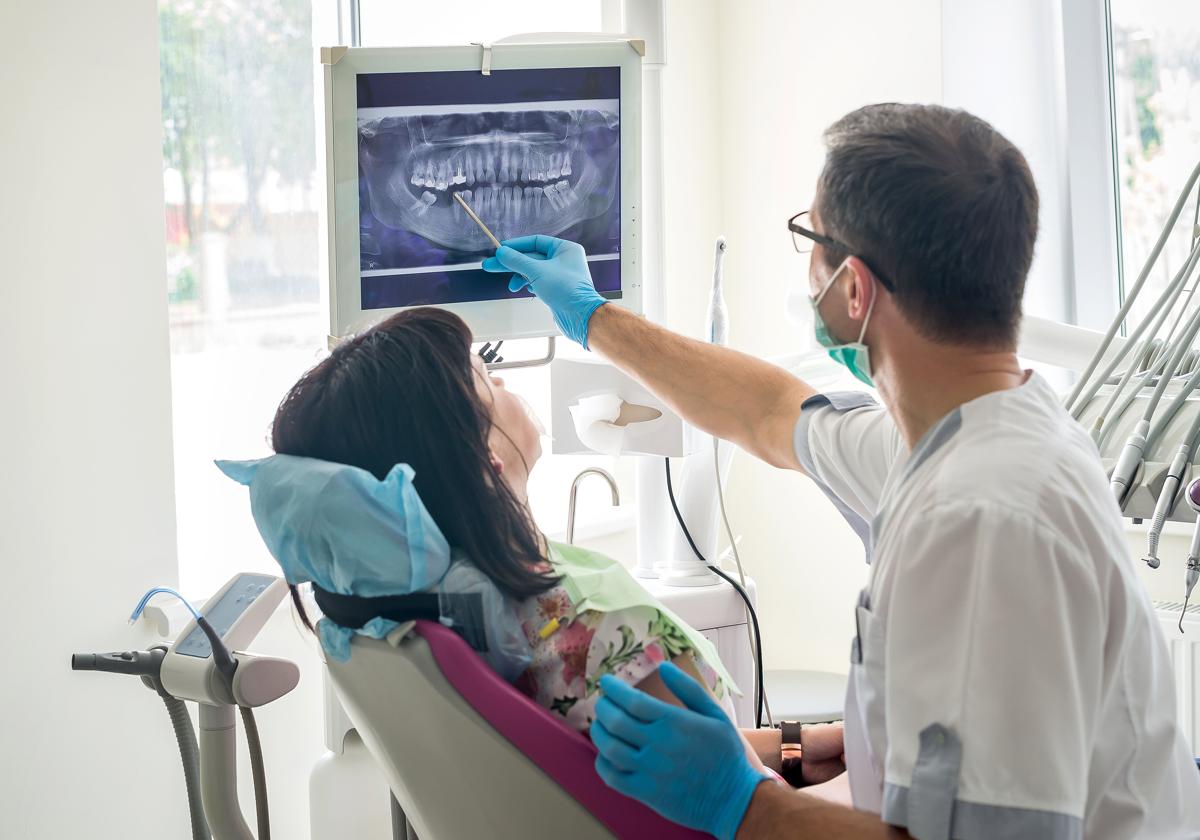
{"type": "Point", "coordinates": [598, 621]}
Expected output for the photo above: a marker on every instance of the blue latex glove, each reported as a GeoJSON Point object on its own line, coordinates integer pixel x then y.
{"type": "Point", "coordinates": [555, 270]}
{"type": "Point", "coordinates": [688, 764]}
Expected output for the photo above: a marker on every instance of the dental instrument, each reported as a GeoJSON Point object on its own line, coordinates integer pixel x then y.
{"type": "Point", "coordinates": [1130, 459]}
{"type": "Point", "coordinates": [206, 665]}
{"type": "Point", "coordinates": [717, 321]}
{"type": "Point", "coordinates": [717, 330]}
{"type": "Point", "coordinates": [1193, 558]}
{"type": "Point", "coordinates": [475, 218]}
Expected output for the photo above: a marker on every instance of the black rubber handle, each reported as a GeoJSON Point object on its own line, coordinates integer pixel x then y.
{"type": "Point", "coordinates": [136, 663]}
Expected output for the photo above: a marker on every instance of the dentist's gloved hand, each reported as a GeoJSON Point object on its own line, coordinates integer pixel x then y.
{"type": "Point", "coordinates": [557, 272]}
{"type": "Point", "coordinates": [687, 764]}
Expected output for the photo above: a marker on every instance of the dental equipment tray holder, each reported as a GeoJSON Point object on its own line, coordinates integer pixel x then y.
{"type": "Point", "coordinates": [1140, 501]}
{"type": "Point", "coordinates": [188, 670]}
{"type": "Point", "coordinates": [507, 317]}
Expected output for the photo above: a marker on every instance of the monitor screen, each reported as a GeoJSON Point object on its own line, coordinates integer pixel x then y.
{"type": "Point", "coordinates": [531, 151]}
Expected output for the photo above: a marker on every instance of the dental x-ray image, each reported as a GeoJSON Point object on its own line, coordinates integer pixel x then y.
{"type": "Point", "coordinates": [531, 151]}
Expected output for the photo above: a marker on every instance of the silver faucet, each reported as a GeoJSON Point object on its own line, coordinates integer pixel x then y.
{"type": "Point", "coordinates": [612, 483]}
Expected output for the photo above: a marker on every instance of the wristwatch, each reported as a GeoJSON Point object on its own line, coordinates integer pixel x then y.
{"type": "Point", "coordinates": [790, 731]}
{"type": "Point", "coordinates": [792, 766]}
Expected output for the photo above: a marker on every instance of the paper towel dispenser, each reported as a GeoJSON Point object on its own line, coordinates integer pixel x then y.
{"type": "Point", "coordinates": [597, 408]}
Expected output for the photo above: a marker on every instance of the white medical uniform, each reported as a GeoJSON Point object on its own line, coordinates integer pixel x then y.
{"type": "Point", "coordinates": [1009, 678]}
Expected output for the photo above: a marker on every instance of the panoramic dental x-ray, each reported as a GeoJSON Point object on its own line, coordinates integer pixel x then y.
{"type": "Point", "coordinates": [525, 164]}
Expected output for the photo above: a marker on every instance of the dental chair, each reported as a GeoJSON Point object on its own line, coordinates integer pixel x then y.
{"type": "Point", "coordinates": [468, 756]}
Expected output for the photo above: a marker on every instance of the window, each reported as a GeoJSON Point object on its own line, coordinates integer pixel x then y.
{"type": "Point", "coordinates": [245, 303]}
{"type": "Point", "coordinates": [1156, 105]}
{"type": "Point", "coordinates": [244, 300]}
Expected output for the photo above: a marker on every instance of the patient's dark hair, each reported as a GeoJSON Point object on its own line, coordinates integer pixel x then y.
{"type": "Point", "coordinates": [405, 392]}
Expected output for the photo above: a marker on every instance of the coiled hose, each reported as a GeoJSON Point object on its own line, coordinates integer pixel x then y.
{"type": "Point", "coordinates": [189, 752]}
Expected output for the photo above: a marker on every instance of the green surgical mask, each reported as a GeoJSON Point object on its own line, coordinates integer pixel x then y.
{"type": "Point", "coordinates": [855, 357]}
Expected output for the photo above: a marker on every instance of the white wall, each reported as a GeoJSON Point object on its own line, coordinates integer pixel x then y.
{"type": "Point", "coordinates": [88, 513]}
{"type": "Point", "coordinates": [1002, 62]}
{"type": "Point", "coordinates": [88, 517]}
{"type": "Point", "coordinates": [692, 144]}
{"type": "Point", "coordinates": [787, 70]}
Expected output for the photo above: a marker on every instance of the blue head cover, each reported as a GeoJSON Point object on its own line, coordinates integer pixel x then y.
{"type": "Point", "coordinates": [346, 531]}
{"type": "Point", "coordinates": [349, 533]}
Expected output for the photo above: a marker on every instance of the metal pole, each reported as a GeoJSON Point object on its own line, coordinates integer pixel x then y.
{"type": "Point", "coordinates": [350, 22]}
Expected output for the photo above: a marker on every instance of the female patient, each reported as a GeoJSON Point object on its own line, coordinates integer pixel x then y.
{"type": "Point", "coordinates": [410, 391]}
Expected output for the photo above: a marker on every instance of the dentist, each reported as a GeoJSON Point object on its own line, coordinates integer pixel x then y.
{"type": "Point", "coordinates": [1008, 677]}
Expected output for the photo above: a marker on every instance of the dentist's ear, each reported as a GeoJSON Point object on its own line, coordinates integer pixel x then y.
{"type": "Point", "coordinates": [496, 463]}
{"type": "Point", "coordinates": [861, 290]}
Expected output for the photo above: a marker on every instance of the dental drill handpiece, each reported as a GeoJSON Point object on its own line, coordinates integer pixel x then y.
{"type": "Point", "coordinates": [718, 314]}
{"type": "Point", "coordinates": [1166, 503]}
{"type": "Point", "coordinates": [1193, 559]}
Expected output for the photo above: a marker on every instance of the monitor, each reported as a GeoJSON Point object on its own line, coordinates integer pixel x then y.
{"type": "Point", "coordinates": [547, 142]}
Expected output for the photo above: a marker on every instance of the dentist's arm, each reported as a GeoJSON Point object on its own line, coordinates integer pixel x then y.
{"type": "Point", "coordinates": [776, 813]}
{"type": "Point", "coordinates": [728, 394]}
{"type": "Point", "coordinates": [731, 395]}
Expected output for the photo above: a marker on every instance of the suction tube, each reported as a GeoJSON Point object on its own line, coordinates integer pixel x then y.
{"type": "Point", "coordinates": [189, 753]}
{"type": "Point", "coordinates": [1156, 357]}
{"type": "Point", "coordinates": [1134, 292]}
{"type": "Point", "coordinates": [258, 771]}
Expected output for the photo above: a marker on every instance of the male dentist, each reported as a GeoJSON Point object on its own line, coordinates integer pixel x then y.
{"type": "Point", "coordinates": [1008, 677]}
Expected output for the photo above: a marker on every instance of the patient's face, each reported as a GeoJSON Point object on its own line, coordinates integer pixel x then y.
{"type": "Point", "coordinates": [515, 439]}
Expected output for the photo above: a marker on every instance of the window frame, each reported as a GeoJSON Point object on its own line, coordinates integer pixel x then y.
{"type": "Point", "coordinates": [1095, 197]}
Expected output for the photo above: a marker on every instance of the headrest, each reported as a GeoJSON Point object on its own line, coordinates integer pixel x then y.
{"type": "Point", "coordinates": [348, 533]}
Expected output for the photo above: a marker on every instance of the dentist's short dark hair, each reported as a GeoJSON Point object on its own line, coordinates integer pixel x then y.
{"type": "Point", "coordinates": [941, 204]}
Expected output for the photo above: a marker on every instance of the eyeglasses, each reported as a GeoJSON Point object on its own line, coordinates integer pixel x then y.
{"type": "Point", "coordinates": [804, 239]}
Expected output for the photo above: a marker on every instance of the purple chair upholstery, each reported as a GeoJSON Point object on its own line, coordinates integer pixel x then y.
{"type": "Point", "coordinates": [566, 756]}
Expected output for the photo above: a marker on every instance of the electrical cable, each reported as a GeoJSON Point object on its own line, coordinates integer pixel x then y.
{"type": "Point", "coordinates": [259, 772]}
{"type": "Point", "coordinates": [1132, 296]}
{"type": "Point", "coordinates": [737, 560]}
{"type": "Point", "coordinates": [745, 598]}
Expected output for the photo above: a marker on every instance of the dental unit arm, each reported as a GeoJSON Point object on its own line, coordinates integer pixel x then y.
{"type": "Point", "coordinates": [1151, 452]}
{"type": "Point", "coordinates": [206, 665]}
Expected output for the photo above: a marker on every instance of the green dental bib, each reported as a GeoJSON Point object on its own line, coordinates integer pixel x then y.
{"type": "Point", "coordinates": [596, 582]}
